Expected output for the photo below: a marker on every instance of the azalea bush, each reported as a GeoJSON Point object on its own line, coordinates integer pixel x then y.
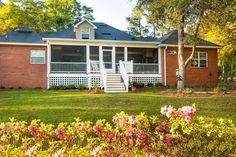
{"type": "Point", "coordinates": [177, 133]}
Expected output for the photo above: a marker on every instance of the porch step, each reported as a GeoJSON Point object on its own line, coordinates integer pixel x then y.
{"type": "Point", "coordinates": [115, 84]}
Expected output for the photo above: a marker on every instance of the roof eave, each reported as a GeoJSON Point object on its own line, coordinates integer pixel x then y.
{"type": "Point", "coordinates": [198, 46]}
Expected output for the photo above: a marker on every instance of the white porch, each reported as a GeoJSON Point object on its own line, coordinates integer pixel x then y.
{"type": "Point", "coordinates": [91, 63]}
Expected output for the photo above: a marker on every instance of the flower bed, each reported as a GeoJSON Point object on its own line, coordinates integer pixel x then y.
{"type": "Point", "coordinates": [179, 134]}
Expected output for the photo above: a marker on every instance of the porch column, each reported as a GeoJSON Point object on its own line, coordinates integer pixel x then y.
{"type": "Point", "coordinates": [126, 54]}
{"type": "Point", "coordinates": [100, 54]}
{"type": "Point", "coordinates": [88, 58]}
{"type": "Point", "coordinates": [114, 58]}
{"type": "Point", "coordinates": [159, 60]}
{"type": "Point", "coordinates": [48, 64]}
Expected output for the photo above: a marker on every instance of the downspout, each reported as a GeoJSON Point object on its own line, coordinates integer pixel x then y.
{"type": "Point", "coordinates": [165, 66]}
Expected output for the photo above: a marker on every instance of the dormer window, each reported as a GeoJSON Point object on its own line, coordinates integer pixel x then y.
{"type": "Point", "coordinates": [85, 33]}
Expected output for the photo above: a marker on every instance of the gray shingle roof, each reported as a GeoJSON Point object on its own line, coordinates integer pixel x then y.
{"type": "Point", "coordinates": [103, 32]}
{"type": "Point", "coordinates": [172, 39]}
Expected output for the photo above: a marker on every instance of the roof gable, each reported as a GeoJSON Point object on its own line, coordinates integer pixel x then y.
{"type": "Point", "coordinates": [78, 24]}
{"type": "Point", "coordinates": [172, 39]}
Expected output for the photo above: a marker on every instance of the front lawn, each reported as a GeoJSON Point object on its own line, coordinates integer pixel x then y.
{"type": "Point", "coordinates": [65, 106]}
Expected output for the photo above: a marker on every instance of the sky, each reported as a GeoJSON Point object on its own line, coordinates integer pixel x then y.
{"type": "Point", "coordinates": [112, 12]}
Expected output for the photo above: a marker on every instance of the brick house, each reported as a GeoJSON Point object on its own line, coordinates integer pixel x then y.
{"type": "Point", "coordinates": [93, 52]}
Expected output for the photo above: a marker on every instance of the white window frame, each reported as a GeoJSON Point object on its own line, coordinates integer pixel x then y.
{"type": "Point", "coordinates": [198, 59]}
{"type": "Point", "coordinates": [37, 54]}
{"type": "Point", "coordinates": [82, 32]}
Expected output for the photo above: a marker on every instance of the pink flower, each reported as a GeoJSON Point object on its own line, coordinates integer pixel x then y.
{"type": "Point", "coordinates": [33, 130]}
{"type": "Point", "coordinates": [168, 140]}
{"type": "Point", "coordinates": [187, 119]}
{"type": "Point", "coordinates": [57, 153]}
{"type": "Point", "coordinates": [132, 120]}
{"type": "Point", "coordinates": [188, 110]}
{"type": "Point", "coordinates": [95, 151]}
{"type": "Point", "coordinates": [60, 133]}
{"type": "Point", "coordinates": [134, 130]}
{"type": "Point", "coordinates": [167, 111]}
{"type": "Point", "coordinates": [30, 151]}
{"type": "Point", "coordinates": [128, 133]}
{"type": "Point", "coordinates": [131, 142]}
{"type": "Point", "coordinates": [99, 130]}
{"type": "Point", "coordinates": [111, 135]}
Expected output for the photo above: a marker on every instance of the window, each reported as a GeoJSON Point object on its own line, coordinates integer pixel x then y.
{"type": "Point", "coordinates": [37, 57]}
{"type": "Point", "coordinates": [199, 60]}
{"type": "Point", "coordinates": [85, 32]}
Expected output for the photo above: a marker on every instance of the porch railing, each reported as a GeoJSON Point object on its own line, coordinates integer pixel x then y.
{"type": "Point", "coordinates": [145, 68]}
{"type": "Point", "coordinates": [104, 76]}
{"type": "Point", "coordinates": [68, 67]}
{"type": "Point", "coordinates": [94, 66]}
{"type": "Point", "coordinates": [124, 75]}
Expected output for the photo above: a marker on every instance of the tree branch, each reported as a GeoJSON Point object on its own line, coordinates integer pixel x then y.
{"type": "Point", "coordinates": [195, 39]}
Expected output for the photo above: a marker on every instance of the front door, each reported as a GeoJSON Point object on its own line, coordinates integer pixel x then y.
{"type": "Point", "coordinates": [108, 59]}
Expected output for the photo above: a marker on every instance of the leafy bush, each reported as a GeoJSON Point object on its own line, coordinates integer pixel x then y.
{"type": "Point", "coordinates": [179, 134]}
{"type": "Point", "coordinates": [138, 84]}
{"type": "Point", "coordinates": [81, 87]}
{"type": "Point", "coordinates": [158, 84]}
{"type": "Point", "coordinates": [221, 88]}
{"type": "Point", "coordinates": [54, 87]}
{"type": "Point", "coordinates": [150, 84]}
{"type": "Point", "coordinates": [185, 91]}
{"type": "Point", "coordinates": [71, 86]}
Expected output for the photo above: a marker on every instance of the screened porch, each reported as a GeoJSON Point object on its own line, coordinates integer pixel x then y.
{"type": "Point", "coordinates": [87, 59]}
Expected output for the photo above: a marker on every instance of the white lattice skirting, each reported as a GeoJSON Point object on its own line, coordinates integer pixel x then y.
{"type": "Point", "coordinates": [145, 80]}
{"type": "Point", "coordinates": [89, 80]}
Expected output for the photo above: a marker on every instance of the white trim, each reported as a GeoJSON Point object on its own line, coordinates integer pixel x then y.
{"type": "Point", "coordinates": [190, 46]}
{"type": "Point", "coordinates": [198, 59]}
{"type": "Point", "coordinates": [25, 44]}
{"type": "Point", "coordinates": [76, 26]}
{"type": "Point", "coordinates": [88, 58]}
{"type": "Point", "coordinates": [100, 42]}
{"type": "Point", "coordinates": [69, 75]}
{"type": "Point", "coordinates": [165, 65]}
{"type": "Point", "coordinates": [159, 60]}
{"type": "Point", "coordinates": [145, 75]}
{"type": "Point", "coordinates": [126, 54]}
{"type": "Point", "coordinates": [48, 64]}
{"type": "Point", "coordinates": [43, 56]}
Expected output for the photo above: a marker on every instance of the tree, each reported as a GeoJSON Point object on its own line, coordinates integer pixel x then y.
{"type": "Point", "coordinates": [223, 32]}
{"type": "Point", "coordinates": [182, 15]}
{"type": "Point", "coordinates": [135, 23]}
{"type": "Point", "coordinates": [42, 15]}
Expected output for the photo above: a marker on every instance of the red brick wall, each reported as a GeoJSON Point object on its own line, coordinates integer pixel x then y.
{"type": "Point", "coordinates": [193, 76]}
{"type": "Point", "coordinates": [16, 70]}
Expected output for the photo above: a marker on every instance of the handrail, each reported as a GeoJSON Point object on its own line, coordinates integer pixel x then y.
{"type": "Point", "coordinates": [104, 76]}
{"type": "Point", "coordinates": [124, 75]}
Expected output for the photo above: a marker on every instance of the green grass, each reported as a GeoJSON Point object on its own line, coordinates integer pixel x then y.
{"type": "Point", "coordinates": [55, 107]}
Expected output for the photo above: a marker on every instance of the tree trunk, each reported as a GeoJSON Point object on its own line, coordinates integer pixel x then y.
{"type": "Point", "coordinates": [232, 69]}
{"type": "Point", "coordinates": [181, 63]}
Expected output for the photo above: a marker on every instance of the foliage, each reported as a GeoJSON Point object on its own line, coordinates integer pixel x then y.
{"type": "Point", "coordinates": [158, 84]}
{"type": "Point", "coordinates": [138, 84]}
{"type": "Point", "coordinates": [81, 86]}
{"type": "Point", "coordinates": [150, 84]}
{"type": "Point", "coordinates": [185, 91]}
{"type": "Point", "coordinates": [221, 88]}
{"type": "Point", "coordinates": [42, 16]}
{"type": "Point", "coordinates": [64, 87]}
{"type": "Point", "coordinates": [179, 134]}
{"type": "Point", "coordinates": [136, 27]}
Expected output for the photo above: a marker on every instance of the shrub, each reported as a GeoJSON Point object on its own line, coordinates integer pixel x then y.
{"type": "Point", "coordinates": [71, 86]}
{"type": "Point", "coordinates": [221, 88]}
{"type": "Point", "coordinates": [179, 133]}
{"type": "Point", "coordinates": [138, 84]}
{"type": "Point", "coordinates": [81, 87]}
{"type": "Point", "coordinates": [54, 87]}
{"type": "Point", "coordinates": [158, 84]}
{"type": "Point", "coordinates": [150, 84]}
{"type": "Point", "coordinates": [185, 91]}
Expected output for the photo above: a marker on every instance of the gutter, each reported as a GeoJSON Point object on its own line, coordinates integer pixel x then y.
{"type": "Point", "coordinates": [23, 44]}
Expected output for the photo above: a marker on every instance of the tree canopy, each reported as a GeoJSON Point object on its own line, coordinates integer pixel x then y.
{"type": "Point", "coordinates": [186, 15]}
{"type": "Point", "coordinates": [42, 15]}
